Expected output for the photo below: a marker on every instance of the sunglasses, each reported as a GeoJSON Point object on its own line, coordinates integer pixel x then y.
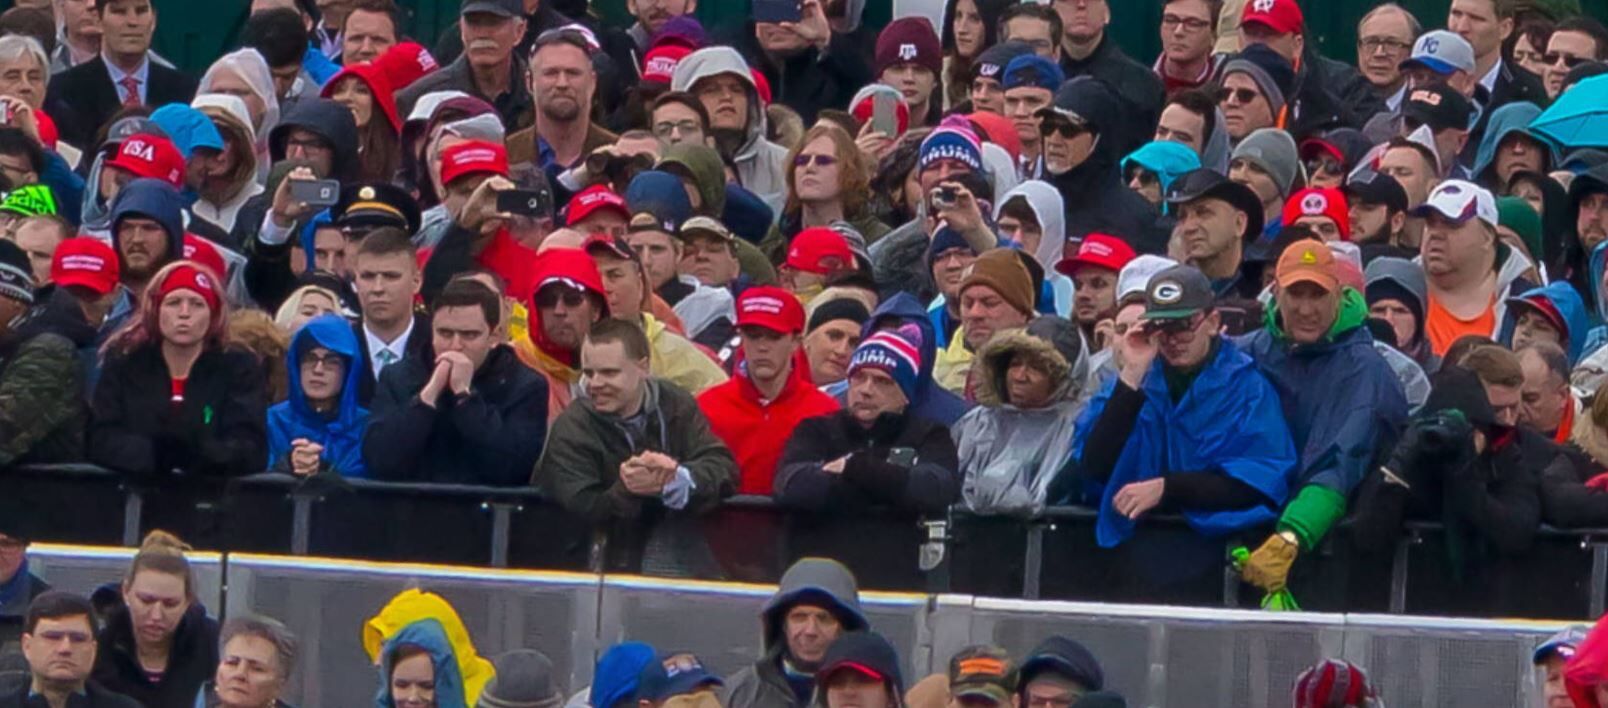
{"type": "Point", "coordinates": [817, 160]}
{"type": "Point", "coordinates": [1569, 60]}
{"type": "Point", "coordinates": [1057, 125]}
{"type": "Point", "coordinates": [1174, 328]}
{"type": "Point", "coordinates": [1321, 166]}
{"type": "Point", "coordinates": [549, 298]}
{"type": "Point", "coordinates": [1145, 177]}
{"type": "Point", "coordinates": [1240, 95]}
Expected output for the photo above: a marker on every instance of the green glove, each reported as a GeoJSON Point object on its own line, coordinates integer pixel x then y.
{"type": "Point", "coordinates": [1311, 514]}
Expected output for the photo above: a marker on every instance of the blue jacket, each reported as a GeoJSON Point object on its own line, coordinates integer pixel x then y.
{"type": "Point", "coordinates": [932, 401]}
{"type": "Point", "coordinates": [341, 437]}
{"type": "Point", "coordinates": [1509, 119]}
{"type": "Point", "coordinates": [1228, 422]}
{"type": "Point", "coordinates": [1563, 298]}
{"type": "Point", "coordinates": [318, 66]}
{"type": "Point", "coordinates": [1340, 398]}
{"type": "Point", "coordinates": [427, 633]}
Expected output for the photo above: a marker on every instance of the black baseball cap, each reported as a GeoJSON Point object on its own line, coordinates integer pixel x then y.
{"type": "Point", "coordinates": [1369, 187]}
{"type": "Point", "coordinates": [1178, 293]}
{"type": "Point", "coordinates": [1205, 183]}
{"type": "Point", "coordinates": [1438, 106]}
{"type": "Point", "coordinates": [375, 204]}
{"type": "Point", "coordinates": [503, 8]}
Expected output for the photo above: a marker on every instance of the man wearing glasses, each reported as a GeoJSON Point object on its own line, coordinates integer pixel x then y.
{"type": "Point", "coordinates": [1188, 30]}
{"type": "Point", "coordinates": [1384, 40]}
{"type": "Point", "coordinates": [1189, 426]}
{"type": "Point", "coordinates": [1080, 161]}
{"type": "Point", "coordinates": [1576, 41]}
{"type": "Point", "coordinates": [59, 643]}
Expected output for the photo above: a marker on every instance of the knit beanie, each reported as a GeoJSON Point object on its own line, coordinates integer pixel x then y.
{"type": "Point", "coordinates": [1002, 271]}
{"type": "Point", "coordinates": [30, 200]}
{"type": "Point", "coordinates": [1271, 72]}
{"type": "Point", "coordinates": [951, 143]}
{"type": "Point", "coordinates": [909, 40]}
{"type": "Point", "coordinates": [1514, 213]}
{"type": "Point", "coordinates": [16, 273]}
{"type": "Point", "coordinates": [946, 239]}
{"type": "Point", "coordinates": [843, 308]}
{"type": "Point", "coordinates": [524, 679]}
{"type": "Point", "coordinates": [1274, 151]}
{"type": "Point", "coordinates": [895, 352]}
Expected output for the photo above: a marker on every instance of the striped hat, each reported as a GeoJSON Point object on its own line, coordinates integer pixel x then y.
{"type": "Point", "coordinates": [1334, 683]}
{"type": "Point", "coordinates": [896, 353]}
{"type": "Point", "coordinates": [16, 274]}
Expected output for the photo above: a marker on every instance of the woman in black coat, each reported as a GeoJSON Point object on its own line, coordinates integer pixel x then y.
{"type": "Point", "coordinates": [171, 398]}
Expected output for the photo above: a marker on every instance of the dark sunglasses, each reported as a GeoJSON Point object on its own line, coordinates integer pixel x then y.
{"type": "Point", "coordinates": [1240, 95]}
{"type": "Point", "coordinates": [1178, 326]}
{"type": "Point", "coordinates": [549, 298]}
{"type": "Point", "coordinates": [1323, 166]}
{"type": "Point", "coordinates": [819, 160]}
{"type": "Point", "coordinates": [1138, 172]}
{"type": "Point", "coordinates": [1058, 125]}
{"type": "Point", "coordinates": [1552, 58]}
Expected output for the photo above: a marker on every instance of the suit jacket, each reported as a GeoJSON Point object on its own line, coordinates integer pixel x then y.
{"type": "Point", "coordinates": [419, 347]}
{"type": "Point", "coordinates": [83, 98]}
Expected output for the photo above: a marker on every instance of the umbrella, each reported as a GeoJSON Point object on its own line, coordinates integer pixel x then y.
{"type": "Point", "coordinates": [1579, 118]}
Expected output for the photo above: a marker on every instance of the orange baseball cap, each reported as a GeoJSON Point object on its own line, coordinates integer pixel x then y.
{"type": "Point", "coordinates": [1309, 261]}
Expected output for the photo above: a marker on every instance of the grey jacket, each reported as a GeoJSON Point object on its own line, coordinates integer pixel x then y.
{"type": "Point", "coordinates": [817, 581]}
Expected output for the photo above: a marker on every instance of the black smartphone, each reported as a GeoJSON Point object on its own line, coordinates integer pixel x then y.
{"type": "Point", "coordinates": [316, 193]}
{"type": "Point", "coordinates": [902, 456]}
{"type": "Point", "coordinates": [777, 10]}
{"type": "Point", "coordinates": [525, 202]}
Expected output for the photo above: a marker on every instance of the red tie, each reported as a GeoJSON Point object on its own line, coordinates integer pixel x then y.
{"type": "Point", "coordinates": [131, 91]}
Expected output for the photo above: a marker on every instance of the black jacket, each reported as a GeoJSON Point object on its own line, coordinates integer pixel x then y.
{"type": "Point", "coordinates": [492, 436]}
{"type": "Point", "coordinates": [1095, 198]}
{"type": "Point", "coordinates": [83, 98]}
{"type": "Point", "coordinates": [219, 431]}
{"type": "Point", "coordinates": [1331, 94]}
{"type": "Point", "coordinates": [44, 365]}
{"type": "Point", "coordinates": [191, 662]}
{"type": "Point", "coordinates": [420, 347]}
{"type": "Point", "coordinates": [1141, 91]}
{"type": "Point", "coordinates": [1566, 501]}
{"type": "Point", "coordinates": [514, 106]}
{"type": "Point", "coordinates": [15, 695]}
{"type": "Point", "coordinates": [928, 485]}
{"type": "Point", "coordinates": [807, 82]}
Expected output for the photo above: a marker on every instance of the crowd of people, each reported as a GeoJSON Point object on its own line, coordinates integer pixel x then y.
{"type": "Point", "coordinates": [149, 641]}
{"type": "Point", "coordinates": [993, 263]}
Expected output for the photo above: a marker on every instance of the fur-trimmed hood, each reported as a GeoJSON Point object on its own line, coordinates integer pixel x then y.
{"type": "Point", "coordinates": [1054, 342]}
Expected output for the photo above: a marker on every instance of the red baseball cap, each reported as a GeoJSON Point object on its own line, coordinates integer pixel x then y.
{"type": "Point", "coordinates": [1099, 250]}
{"type": "Point", "coordinates": [202, 251]}
{"type": "Point", "coordinates": [404, 64]}
{"type": "Point", "coordinates": [1282, 16]}
{"type": "Point", "coordinates": [770, 307]}
{"type": "Point", "coordinates": [592, 199]}
{"type": "Point", "coordinates": [604, 243]}
{"type": "Point", "coordinates": [150, 156]}
{"type": "Point", "coordinates": [473, 158]}
{"type": "Point", "coordinates": [660, 62]}
{"type": "Point", "coordinates": [814, 245]}
{"type": "Point", "coordinates": [85, 262]}
{"type": "Point", "coordinates": [1328, 202]}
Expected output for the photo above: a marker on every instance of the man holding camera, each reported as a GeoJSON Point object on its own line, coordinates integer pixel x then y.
{"type": "Point", "coordinates": [474, 174]}
{"type": "Point", "coordinates": [1188, 426]}
{"type": "Point", "coordinates": [949, 167]}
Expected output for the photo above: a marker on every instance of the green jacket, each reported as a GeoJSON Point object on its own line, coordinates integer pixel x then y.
{"type": "Point", "coordinates": [42, 411]}
{"type": "Point", "coordinates": [580, 467]}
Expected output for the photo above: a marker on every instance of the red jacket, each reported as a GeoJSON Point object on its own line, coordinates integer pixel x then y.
{"type": "Point", "coordinates": [756, 433]}
{"type": "Point", "coordinates": [1589, 667]}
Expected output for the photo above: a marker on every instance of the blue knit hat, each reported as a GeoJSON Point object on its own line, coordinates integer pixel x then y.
{"type": "Point", "coordinates": [944, 240]}
{"type": "Point", "coordinates": [953, 144]}
{"type": "Point", "coordinates": [1032, 70]}
{"type": "Point", "coordinates": [895, 352]}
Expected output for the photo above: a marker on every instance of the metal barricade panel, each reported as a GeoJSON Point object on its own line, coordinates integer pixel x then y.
{"type": "Point", "coordinates": [327, 602]}
{"type": "Point", "coordinates": [82, 569]}
{"type": "Point", "coordinates": [1427, 661]}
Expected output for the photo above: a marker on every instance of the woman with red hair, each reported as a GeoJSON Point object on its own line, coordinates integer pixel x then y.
{"type": "Point", "coordinates": [172, 396]}
{"type": "Point", "coordinates": [365, 91]}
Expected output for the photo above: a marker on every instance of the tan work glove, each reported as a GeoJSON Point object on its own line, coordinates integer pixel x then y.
{"type": "Point", "coordinates": [1269, 566]}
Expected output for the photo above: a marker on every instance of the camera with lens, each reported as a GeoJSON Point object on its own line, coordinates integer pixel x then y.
{"type": "Point", "coordinates": [617, 169]}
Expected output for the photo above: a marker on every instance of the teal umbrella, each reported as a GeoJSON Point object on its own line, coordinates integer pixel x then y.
{"type": "Point", "coordinates": [1579, 118]}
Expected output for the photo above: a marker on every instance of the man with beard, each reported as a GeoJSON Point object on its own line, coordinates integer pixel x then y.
{"type": "Point", "coordinates": [569, 298]}
{"type": "Point", "coordinates": [1094, 269]}
{"type": "Point", "coordinates": [563, 83]}
{"type": "Point", "coordinates": [148, 233]}
{"type": "Point", "coordinates": [1378, 214]}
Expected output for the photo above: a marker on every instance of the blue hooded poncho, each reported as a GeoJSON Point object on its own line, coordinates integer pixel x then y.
{"type": "Point", "coordinates": [429, 634]}
{"type": "Point", "coordinates": [1228, 422]}
{"type": "Point", "coordinates": [341, 437]}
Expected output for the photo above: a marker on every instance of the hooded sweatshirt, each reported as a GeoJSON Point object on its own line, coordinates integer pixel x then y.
{"type": "Point", "coordinates": [931, 401]}
{"type": "Point", "coordinates": [1344, 406]}
{"type": "Point", "coordinates": [1563, 301]}
{"type": "Point", "coordinates": [761, 164]}
{"type": "Point", "coordinates": [1096, 199]}
{"type": "Point", "coordinates": [331, 121]}
{"type": "Point", "coordinates": [861, 651]}
{"type": "Point", "coordinates": [771, 682]}
{"type": "Point", "coordinates": [1589, 667]}
{"type": "Point", "coordinates": [1407, 277]}
{"type": "Point", "coordinates": [1167, 159]}
{"type": "Point", "coordinates": [1509, 119]}
{"type": "Point", "coordinates": [231, 111]}
{"type": "Point", "coordinates": [1009, 455]}
{"type": "Point", "coordinates": [155, 200]}
{"type": "Point", "coordinates": [1050, 211]}
{"type": "Point", "coordinates": [340, 434]}
{"type": "Point", "coordinates": [450, 688]}
{"type": "Point", "coordinates": [414, 615]}
{"type": "Point", "coordinates": [384, 95]}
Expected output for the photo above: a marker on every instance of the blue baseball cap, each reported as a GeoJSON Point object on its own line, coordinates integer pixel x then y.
{"type": "Point", "coordinates": [673, 675]}
{"type": "Point", "coordinates": [1563, 644]}
{"type": "Point", "coordinates": [1032, 70]}
{"type": "Point", "coordinates": [1442, 52]}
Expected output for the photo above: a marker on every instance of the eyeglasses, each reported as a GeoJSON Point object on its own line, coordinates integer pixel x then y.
{"type": "Point", "coordinates": [1241, 96]}
{"type": "Point", "coordinates": [330, 361]}
{"type": "Point", "coordinates": [1569, 60]}
{"type": "Point", "coordinates": [307, 145]}
{"type": "Point", "coordinates": [1193, 24]}
{"type": "Point", "coordinates": [686, 127]}
{"type": "Point", "coordinates": [1374, 45]}
{"type": "Point", "coordinates": [818, 160]}
{"type": "Point", "coordinates": [549, 298]}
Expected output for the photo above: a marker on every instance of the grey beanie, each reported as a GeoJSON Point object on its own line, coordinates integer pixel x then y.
{"type": "Point", "coordinates": [524, 679]}
{"type": "Point", "coordinates": [1274, 151]}
{"type": "Point", "coordinates": [1263, 80]}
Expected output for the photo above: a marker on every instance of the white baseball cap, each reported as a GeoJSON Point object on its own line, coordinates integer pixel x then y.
{"type": "Point", "coordinates": [1460, 201]}
{"type": "Point", "coordinates": [1134, 278]}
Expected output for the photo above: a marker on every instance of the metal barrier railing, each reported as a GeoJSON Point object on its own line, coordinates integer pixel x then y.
{"type": "Point", "coordinates": [751, 540]}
